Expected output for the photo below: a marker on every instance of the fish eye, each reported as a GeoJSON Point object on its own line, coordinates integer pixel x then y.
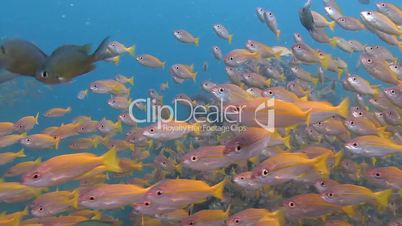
{"type": "Point", "coordinates": [298, 46]}
{"type": "Point", "coordinates": [330, 194]}
{"type": "Point", "coordinates": [393, 91]}
{"type": "Point", "coordinates": [221, 90]}
{"type": "Point", "coordinates": [44, 74]}
{"type": "Point", "coordinates": [352, 123]}
{"type": "Point", "coordinates": [383, 4]}
{"type": "Point", "coordinates": [292, 204]}
{"type": "Point", "coordinates": [159, 192]}
{"type": "Point", "coordinates": [323, 184]}
{"type": "Point", "coordinates": [355, 144]}
{"type": "Point", "coordinates": [238, 148]}
{"type": "Point", "coordinates": [41, 209]}
{"type": "Point", "coordinates": [152, 130]}
{"type": "Point", "coordinates": [396, 66]}
{"type": "Point", "coordinates": [231, 58]}
{"type": "Point", "coordinates": [92, 198]}
{"type": "Point", "coordinates": [218, 26]}
{"type": "Point", "coordinates": [242, 178]}
{"type": "Point", "coordinates": [141, 58]}
{"type": "Point", "coordinates": [36, 176]}
{"type": "Point", "coordinates": [354, 78]}
{"type": "Point", "coordinates": [177, 67]}
{"type": "Point", "coordinates": [147, 203]}
{"type": "Point", "coordinates": [378, 174]}
{"type": "Point", "coordinates": [237, 220]}
{"type": "Point", "coordinates": [190, 223]}
{"type": "Point", "coordinates": [264, 172]}
{"type": "Point", "coordinates": [194, 158]}
{"type": "Point", "coordinates": [28, 140]}
{"type": "Point", "coordinates": [368, 13]}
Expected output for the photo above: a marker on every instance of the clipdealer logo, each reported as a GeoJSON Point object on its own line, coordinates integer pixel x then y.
{"type": "Point", "coordinates": [205, 114]}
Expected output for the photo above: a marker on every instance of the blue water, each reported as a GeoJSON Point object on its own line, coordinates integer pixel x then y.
{"type": "Point", "coordinates": [149, 25]}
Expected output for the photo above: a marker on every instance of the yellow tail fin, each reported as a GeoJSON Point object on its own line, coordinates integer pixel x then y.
{"type": "Point", "coordinates": [286, 141]}
{"type": "Point", "coordinates": [349, 210]}
{"type": "Point", "coordinates": [279, 215]}
{"type": "Point", "coordinates": [131, 50]}
{"type": "Point", "coordinates": [315, 81]}
{"type": "Point", "coordinates": [308, 117]}
{"type": "Point", "coordinates": [57, 142]}
{"type": "Point", "coordinates": [278, 34]}
{"type": "Point", "coordinates": [340, 73]}
{"type": "Point", "coordinates": [343, 108]}
{"type": "Point", "coordinates": [324, 61]}
{"type": "Point", "coordinates": [20, 153]}
{"type": "Point", "coordinates": [320, 164]}
{"type": "Point", "coordinates": [37, 118]}
{"type": "Point", "coordinates": [331, 25]}
{"type": "Point", "coordinates": [111, 161]}
{"type": "Point", "coordinates": [74, 200]}
{"type": "Point", "coordinates": [278, 55]}
{"type": "Point", "coordinates": [131, 81]}
{"type": "Point", "coordinates": [118, 126]}
{"type": "Point", "coordinates": [230, 39]}
{"type": "Point", "coordinates": [116, 60]}
{"type": "Point", "coordinates": [197, 41]}
{"type": "Point", "coordinates": [217, 190]}
{"type": "Point", "coordinates": [179, 168]}
{"type": "Point", "coordinates": [338, 158]}
{"type": "Point", "coordinates": [333, 42]}
{"type": "Point", "coordinates": [383, 197]}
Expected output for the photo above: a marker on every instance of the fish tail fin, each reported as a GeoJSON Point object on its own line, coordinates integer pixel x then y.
{"type": "Point", "coordinates": [74, 200]}
{"type": "Point", "coordinates": [131, 50]}
{"type": "Point", "coordinates": [383, 133]}
{"type": "Point", "coordinates": [338, 158]}
{"type": "Point", "coordinates": [315, 81]}
{"type": "Point", "coordinates": [116, 60]}
{"type": "Point", "coordinates": [194, 76]}
{"type": "Point", "coordinates": [308, 117]}
{"type": "Point", "coordinates": [340, 73]}
{"type": "Point", "coordinates": [38, 160]}
{"type": "Point", "coordinates": [111, 161]}
{"type": "Point", "coordinates": [118, 126]}
{"type": "Point", "coordinates": [286, 141]}
{"type": "Point", "coordinates": [268, 82]}
{"type": "Point", "coordinates": [68, 109]}
{"type": "Point", "coordinates": [278, 55]}
{"type": "Point", "coordinates": [21, 153]}
{"type": "Point", "coordinates": [332, 42]}
{"type": "Point", "coordinates": [217, 189]}
{"type": "Point", "coordinates": [179, 168]}
{"type": "Point", "coordinates": [230, 39]}
{"type": "Point", "coordinates": [383, 197]}
{"type": "Point", "coordinates": [349, 210]}
{"type": "Point", "coordinates": [280, 216]}
{"type": "Point", "coordinates": [343, 108]}
{"type": "Point", "coordinates": [131, 80]}
{"type": "Point", "coordinates": [56, 144]}
{"type": "Point", "coordinates": [324, 62]}
{"type": "Point", "coordinates": [95, 141]}
{"type": "Point", "coordinates": [99, 52]}
{"type": "Point", "coordinates": [331, 25]}
{"type": "Point", "coordinates": [320, 164]}
{"type": "Point", "coordinates": [278, 35]}
{"type": "Point", "coordinates": [131, 147]}
{"type": "Point", "coordinates": [163, 64]}
{"type": "Point", "coordinates": [37, 118]}
{"type": "Point", "coordinates": [197, 41]}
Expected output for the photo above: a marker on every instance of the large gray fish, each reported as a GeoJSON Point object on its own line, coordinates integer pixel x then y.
{"type": "Point", "coordinates": [70, 61]}
{"type": "Point", "coordinates": [21, 57]}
